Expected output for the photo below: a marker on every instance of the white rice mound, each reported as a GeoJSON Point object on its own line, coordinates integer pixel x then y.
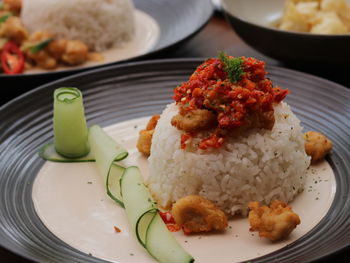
{"type": "Point", "coordinates": [261, 166]}
{"type": "Point", "coordinates": [101, 24]}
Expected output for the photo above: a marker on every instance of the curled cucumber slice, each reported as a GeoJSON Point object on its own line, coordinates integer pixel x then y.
{"type": "Point", "coordinates": [146, 222]}
{"type": "Point", "coordinates": [70, 129]}
{"type": "Point", "coordinates": [48, 152]}
{"type": "Point", "coordinates": [107, 151]}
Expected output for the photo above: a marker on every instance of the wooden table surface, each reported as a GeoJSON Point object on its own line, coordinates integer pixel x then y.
{"type": "Point", "coordinates": [216, 36]}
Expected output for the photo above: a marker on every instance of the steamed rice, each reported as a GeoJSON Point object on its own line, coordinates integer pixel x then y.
{"type": "Point", "coordinates": [101, 24]}
{"type": "Point", "coordinates": [261, 165]}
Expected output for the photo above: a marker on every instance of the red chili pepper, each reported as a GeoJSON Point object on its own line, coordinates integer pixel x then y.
{"type": "Point", "coordinates": [117, 229]}
{"type": "Point", "coordinates": [173, 227]}
{"type": "Point", "coordinates": [167, 217]}
{"type": "Point", "coordinates": [12, 59]}
{"type": "Point", "coordinates": [184, 138]}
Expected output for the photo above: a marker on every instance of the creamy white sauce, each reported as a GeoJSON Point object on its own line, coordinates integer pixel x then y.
{"type": "Point", "coordinates": [70, 200]}
{"type": "Point", "coordinates": [146, 36]}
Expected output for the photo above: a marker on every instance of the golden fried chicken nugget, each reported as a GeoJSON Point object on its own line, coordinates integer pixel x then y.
{"type": "Point", "coordinates": [194, 120]}
{"type": "Point", "coordinates": [144, 141]}
{"type": "Point", "coordinates": [13, 5]}
{"type": "Point", "coordinates": [14, 30]}
{"type": "Point", "coordinates": [41, 58]}
{"type": "Point", "coordinates": [76, 52]}
{"type": "Point", "coordinates": [317, 145]}
{"type": "Point", "coordinates": [152, 123]}
{"type": "Point", "coordinates": [275, 222]}
{"type": "Point", "coordinates": [195, 214]}
{"type": "Point", "coordinates": [57, 47]}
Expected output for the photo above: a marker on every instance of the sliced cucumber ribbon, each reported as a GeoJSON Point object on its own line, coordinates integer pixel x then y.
{"type": "Point", "coordinates": [126, 187]}
{"type": "Point", "coordinates": [107, 151]}
{"type": "Point", "coordinates": [48, 152]}
{"type": "Point", "coordinates": [70, 129]}
{"type": "Point", "coordinates": [146, 222]}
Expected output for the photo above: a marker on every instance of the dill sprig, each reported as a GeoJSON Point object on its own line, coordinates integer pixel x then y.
{"type": "Point", "coordinates": [232, 66]}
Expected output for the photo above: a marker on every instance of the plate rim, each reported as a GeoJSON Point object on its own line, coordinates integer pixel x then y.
{"type": "Point", "coordinates": [158, 61]}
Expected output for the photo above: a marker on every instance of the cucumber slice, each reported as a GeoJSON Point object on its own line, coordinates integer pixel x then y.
{"type": "Point", "coordinates": [113, 183]}
{"type": "Point", "coordinates": [70, 129]}
{"type": "Point", "coordinates": [162, 245]}
{"type": "Point", "coordinates": [146, 222]}
{"type": "Point", "coordinates": [106, 152]}
{"type": "Point", "coordinates": [48, 152]}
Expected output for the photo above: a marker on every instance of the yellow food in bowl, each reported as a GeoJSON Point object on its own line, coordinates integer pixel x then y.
{"type": "Point", "coordinates": [316, 16]}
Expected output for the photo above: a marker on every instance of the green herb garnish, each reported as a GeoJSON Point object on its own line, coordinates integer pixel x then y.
{"type": "Point", "coordinates": [41, 45]}
{"type": "Point", "coordinates": [232, 66]}
{"type": "Point", "coordinates": [5, 17]}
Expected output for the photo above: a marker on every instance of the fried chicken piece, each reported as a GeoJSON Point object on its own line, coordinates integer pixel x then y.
{"type": "Point", "coordinates": [317, 145]}
{"type": "Point", "coordinates": [194, 120]}
{"type": "Point", "coordinates": [275, 222]}
{"type": "Point", "coordinates": [95, 56]}
{"type": "Point", "coordinates": [144, 141]}
{"type": "Point", "coordinates": [261, 120]}
{"type": "Point", "coordinates": [71, 52]}
{"type": "Point", "coordinates": [56, 48]}
{"type": "Point", "coordinates": [42, 58]}
{"type": "Point", "coordinates": [76, 52]}
{"type": "Point", "coordinates": [14, 30]}
{"type": "Point", "coordinates": [13, 5]}
{"type": "Point", "coordinates": [195, 214]}
{"type": "Point", "coordinates": [152, 123]}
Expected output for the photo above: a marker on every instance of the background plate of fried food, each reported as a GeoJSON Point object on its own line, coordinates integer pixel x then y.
{"type": "Point", "coordinates": [64, 36]}
{"type": "Point", "coordinates": [121, 98]}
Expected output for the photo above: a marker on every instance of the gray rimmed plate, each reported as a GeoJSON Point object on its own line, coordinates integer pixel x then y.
{"type": "Point", "coordinates": [125, 92]}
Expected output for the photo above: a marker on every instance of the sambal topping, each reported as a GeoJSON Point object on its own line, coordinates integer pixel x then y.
{"type": "Point", "coordinates": [169, 221]}
{"type": "Point", "coordinates": [167, 217]}
{"type": "Point", "coordinates": [173, 227]}
{"type": "Point", "coordinates": [224, 94]}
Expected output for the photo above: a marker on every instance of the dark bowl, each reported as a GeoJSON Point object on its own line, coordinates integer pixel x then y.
{"type": "Point", "coordinates": [252, 20]}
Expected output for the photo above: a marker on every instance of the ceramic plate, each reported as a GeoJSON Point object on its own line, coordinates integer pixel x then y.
{"type": "Point", "coordinates": [120, 98]}
{"type": "Point", "coordinates": [159, 24]}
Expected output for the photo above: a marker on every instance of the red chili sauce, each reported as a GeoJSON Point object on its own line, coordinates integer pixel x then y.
{"type": "Point", "coordinates": [169, 221]}
{"type": "Point", "coordinates": [232, 101]}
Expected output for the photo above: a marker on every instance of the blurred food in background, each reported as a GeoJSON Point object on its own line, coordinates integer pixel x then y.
{"type": "Point", "coordinates": [46, 34]}
{"type": "Point", "coordinates": [316, 16]}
